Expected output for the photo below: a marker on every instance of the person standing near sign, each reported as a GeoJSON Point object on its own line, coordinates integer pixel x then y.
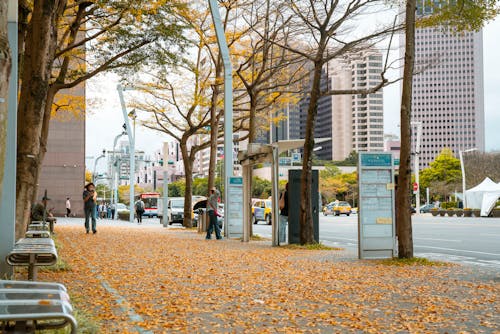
{"type": "Point", "coordinates": [212, 201]}
{"type": "Point", "coordinates": [283, 204]}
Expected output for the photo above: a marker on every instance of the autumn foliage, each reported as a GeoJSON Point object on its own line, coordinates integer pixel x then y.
{"type": "Point", "coordinates": [162, 280]}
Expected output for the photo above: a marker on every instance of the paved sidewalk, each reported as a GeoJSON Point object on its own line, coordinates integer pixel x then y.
{"type": "Point", "coordinates": [150, 279]}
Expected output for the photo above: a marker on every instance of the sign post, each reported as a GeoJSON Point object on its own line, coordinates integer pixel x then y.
{"type": "Point", "coordinates": [233, 212]}
{"type": "Point", "coordinates": [376, 218]}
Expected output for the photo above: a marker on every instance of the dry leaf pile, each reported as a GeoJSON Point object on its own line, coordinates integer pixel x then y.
{"type": "Point", "coordinates": [159, 281]}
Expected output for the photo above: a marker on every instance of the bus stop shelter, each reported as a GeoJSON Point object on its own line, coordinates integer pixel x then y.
{"type": "Point", "coordinates": [261, 153]}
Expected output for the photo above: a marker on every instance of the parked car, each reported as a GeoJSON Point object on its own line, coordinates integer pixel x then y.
{"type": "Point", "coordinates": [261, 211]}
{"type": "Point", "coordinates": [341, 208]}
{"type": "Point", "coordinates": [427, 208]}
{"type": "Point", "coordinates": [175, 213]}
{"type": "Point", "coordinates": [328, 209]}
{"type": "Point", "coordinates": [120, 207]}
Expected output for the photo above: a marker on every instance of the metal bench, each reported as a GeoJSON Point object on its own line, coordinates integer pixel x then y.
{"type": "Point", "coordinates": [27, 306]}
{"type": "Point", "coordinates": [38, 226]}
{"type": "Point", "coordinates": [37, 234]}
{"type": "Point", "coordinates": [33, 252]}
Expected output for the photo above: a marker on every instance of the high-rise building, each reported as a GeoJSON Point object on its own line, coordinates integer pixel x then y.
{"type": "Point", "coordinates": [351, 122]}
{"type": "Point", "coordinates": [447, 90]}
{"type": "Point", "coordinates": [367, 109]}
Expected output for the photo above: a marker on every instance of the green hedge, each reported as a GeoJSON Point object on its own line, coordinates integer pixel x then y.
{"type": "Point", "coordinates": [449, 205]}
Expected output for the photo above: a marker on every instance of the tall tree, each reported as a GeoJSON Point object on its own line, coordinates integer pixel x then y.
{"type": "Point", "coordinates": [455, 15]}
{"type": "Point", "coordinates": [5, 67]}
{"type": "Point", "coordinates": [321, 29]}
{"type": "Point", "coordinates": [403, 214]}
{"type": "Point", "coordinates": [443, 175]}
{"type": "Point", "coordinates": [68, 42]}
{"type": "Point", "coordinates": [41, 40]}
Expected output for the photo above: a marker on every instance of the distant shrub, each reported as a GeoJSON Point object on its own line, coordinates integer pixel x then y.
{"type": "Point", "coordinates": [449, 205]}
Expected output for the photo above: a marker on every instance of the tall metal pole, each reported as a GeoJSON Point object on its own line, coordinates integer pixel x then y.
{"type": "Point", "coordinates": [95, 165]}
{"type": "Point", "coordinates": [131, 141]}
{"type": "Point", "coordinates": [274, 194]}
{"type": "Point", "coordinates": [417, 166]}
{"type": "Point", "coordinates": [8, 200]}
{"type": "Point", "coordinates": [116, 180]}
{"type": "Point", "coordinates": [228, 106]}
{"type": "Point", "coordinates": [461, 157]}
{"type": "Point", "coordinates": [113, 172]}
{"type": "Point", "coordinates": [165, 197]}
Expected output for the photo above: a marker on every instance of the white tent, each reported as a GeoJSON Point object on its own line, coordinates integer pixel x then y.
{"type": "Point", "coordinates": [483, 196]}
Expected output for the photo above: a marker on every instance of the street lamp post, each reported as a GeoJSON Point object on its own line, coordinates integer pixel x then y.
{"type": "Point", "coordinates": [8, 199]}
{"type": "Point", "coordinates": [131, 138]}
{"type": "Point", "coordinates": [417, 165]}
{"type": "Point", "coordinates": [95, 164]}
{"type": "Point", "coordinates": [113, 172]}
{"type": "Point", "coordinates": [461, 156]}
{"type": "Point", "coordinates": [228, 106]}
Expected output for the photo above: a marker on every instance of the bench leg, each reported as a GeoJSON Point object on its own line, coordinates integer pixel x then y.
{"type": "Point", "coordinates": [32, 268]}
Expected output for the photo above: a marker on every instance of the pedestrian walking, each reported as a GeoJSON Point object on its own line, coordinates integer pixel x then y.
{"type": "Point", "coordinates": [89, 206]}
{"type": "Point", "coordinates": [139, 210]}
{"type": "Point", "coordinates": [113, 210]}
{"type": "Point", "coordinates": [108, 211]}
{"type": "Point", "coordinates": [212, 201]}
{"type": "Point", "coordinates": [102, 210]}
{"type": "Point", "coordinates": [283, 204]}
{"type": "Point", "coordinates": [68, 207]}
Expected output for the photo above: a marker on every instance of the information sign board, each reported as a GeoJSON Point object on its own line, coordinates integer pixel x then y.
{"type": "Point", "coordinates": [376, 218]}
{"type": "Point", "coordinates": [234, 217]}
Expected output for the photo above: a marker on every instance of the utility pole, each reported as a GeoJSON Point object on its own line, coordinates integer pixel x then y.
{"type": "Point", "coordinates": [417, 165]}
{"type": "Point", "coordinates": [8, 198]}
{"type": "Point", "coordinates": [461, 156]}
{"type": "Point", "coordinates": [131, 140]}
{"type": "Point", "coordinates": [228, 106]}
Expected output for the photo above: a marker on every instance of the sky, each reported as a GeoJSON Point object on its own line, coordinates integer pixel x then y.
{"type": "Point", "coordinates": [104, 119]}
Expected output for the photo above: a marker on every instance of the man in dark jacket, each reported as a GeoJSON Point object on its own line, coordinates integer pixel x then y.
{"type": "Point", "coordinates": [89, 202]}
{"type": "Point", "coordinates": [40, 213]}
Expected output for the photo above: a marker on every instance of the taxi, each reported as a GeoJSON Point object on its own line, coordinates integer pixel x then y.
{"type": "Point", "coordinates": [261, 211]}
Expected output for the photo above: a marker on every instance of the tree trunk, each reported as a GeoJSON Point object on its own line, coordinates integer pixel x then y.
{"type": "Point", "coordinates": [44, 135]}
{"type": "Point", "coordinates": [39, 54]}
{"type": "Point", "coordinates": [403, 215]}
{"type": "Point", "coordinates": [5, 67]}
{"type": "Point", "coordinates": [305, 210]}
{"type": "Point", "coordinates": [24, 11]}
{"type": "Point", "coordinates": [188, 171]}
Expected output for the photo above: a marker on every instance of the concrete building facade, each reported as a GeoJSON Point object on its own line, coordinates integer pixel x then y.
{"type": "Point", "coordinates": [63, 169]}
{"type": "Point", "coordinates": [448, 90]}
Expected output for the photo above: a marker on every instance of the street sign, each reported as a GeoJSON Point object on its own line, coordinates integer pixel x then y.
{"type": "Point", "coordinates": [376, 217]}
{"type": "Point", "coordinates": [415, 186]}
{"type": "Point", "coordinates": [234, 207]}
{"type": "Point", "coordinates": [296, 157]}
{"type": "Point", "coordinates": [285, 161]}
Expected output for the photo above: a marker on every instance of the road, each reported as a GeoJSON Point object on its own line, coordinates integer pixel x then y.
{"type": "Point", "coordinates": [465, 240]}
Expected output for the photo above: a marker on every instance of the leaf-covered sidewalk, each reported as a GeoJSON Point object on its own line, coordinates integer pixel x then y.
{"type": "Point", "coordinates": [157, 280]}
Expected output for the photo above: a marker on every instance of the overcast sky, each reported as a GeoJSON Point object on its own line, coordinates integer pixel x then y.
{"type": "Point", "coordinates": [104, 120]}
